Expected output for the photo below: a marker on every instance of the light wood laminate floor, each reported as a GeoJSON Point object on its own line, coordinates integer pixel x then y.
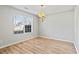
{"type": "Point", "coordinates": [40, 46]}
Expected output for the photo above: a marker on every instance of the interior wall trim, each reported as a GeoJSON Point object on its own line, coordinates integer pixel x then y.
{"type": "Point", "coordinates": [75, 29]}
{"type": "Point", "coordinates": [18, 42]}
{"type": "Point", "coordinates": [60, 12]}
{"type": "Point", "coordinates": [57, 39]}
{"type": "Point", "coordinates": [22, 10]}
{"type": "Point", "coordinates": [75, 45]}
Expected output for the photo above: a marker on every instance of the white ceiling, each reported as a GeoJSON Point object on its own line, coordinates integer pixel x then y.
{"type": "Point", "coordinates": [49, 9]}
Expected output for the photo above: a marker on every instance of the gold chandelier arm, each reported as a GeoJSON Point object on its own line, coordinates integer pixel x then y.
{"type": "Point", "coordinates": [41, 14]}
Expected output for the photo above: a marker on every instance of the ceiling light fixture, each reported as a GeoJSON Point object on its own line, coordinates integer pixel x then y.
{"type": "Point", "coordinates": [41, 14]}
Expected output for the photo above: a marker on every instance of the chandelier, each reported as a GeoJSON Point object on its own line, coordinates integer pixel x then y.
{"type": "Point", "coordinates": [41, 14]}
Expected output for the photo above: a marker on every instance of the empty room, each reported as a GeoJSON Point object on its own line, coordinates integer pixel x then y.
{"type": "Point", "coordinates": [39, 29]}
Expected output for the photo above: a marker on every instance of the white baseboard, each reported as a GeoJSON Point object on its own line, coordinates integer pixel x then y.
{"type": "Point", "coordinates": [32, 38]}
{"type": "Point", "coordinates": [57, 39]}
{"type": "Point", "coordinates": [18, 42]}
{"type": "Point", "coordinates": [76, 47]}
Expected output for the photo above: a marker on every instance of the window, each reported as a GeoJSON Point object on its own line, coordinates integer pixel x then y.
{"type": "Point", "coordinates": [27, 28]}
{"type": "Point", "coordinates": [22, 24]}
{"type": "Point", "coordinates": [28, 24]}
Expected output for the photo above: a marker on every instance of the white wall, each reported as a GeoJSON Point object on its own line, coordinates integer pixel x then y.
{"type": "Point", "coordinates": [76, 28]}
{"type": "Point", "coordinates": [59, 25]}
{"type": "Point", "coordinates": [6, 26]}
